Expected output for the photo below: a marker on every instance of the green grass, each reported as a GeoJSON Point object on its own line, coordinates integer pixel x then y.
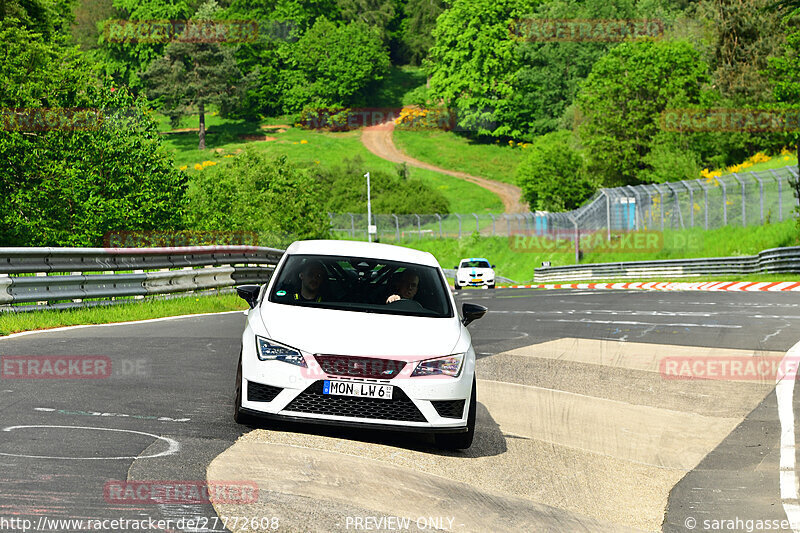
{"type": "Point", "coordinates": [454, 152]}
{"type": "Point", "coordinates": [683, 244]}
{"type": "Point", "coordinates": [321, 148]}
{"type": "Point", "coordinates": [138, 310]}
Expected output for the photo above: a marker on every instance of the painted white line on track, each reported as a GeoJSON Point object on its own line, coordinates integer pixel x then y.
{"type": "Point", "coordinates": [621, 322]}
{"type": "Point", "coordinates": [784, 391]}
{"type": "Point", "coordinates": [174, 446]}
{"type": "Point", "coordinates": [161, 319]}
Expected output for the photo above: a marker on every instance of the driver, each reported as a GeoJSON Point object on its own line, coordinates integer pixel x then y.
{"type": "Point", "coordinates": [405, 287]}
{"type": "Point", "coordinates": [311, 279]}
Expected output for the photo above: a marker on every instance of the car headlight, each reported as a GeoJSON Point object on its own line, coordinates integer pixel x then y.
{"type": "Point", "coordinates": [269, 350]}
{"type": "Point", "coordinates": [448, 366]}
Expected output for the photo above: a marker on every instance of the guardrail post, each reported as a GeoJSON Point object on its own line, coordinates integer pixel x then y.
{"type": "Point", "coordinates": [577, 240]}
{"type": "Point", "coordinates": [396, 227]}
{"type": "Point", "coordinates": [493, 232]}
{"type": "Point", "coordinates": [691, 202]}
{"type": "Point", "coordinates": [352, 226]}
{"type": "Point", "coordinates": [780, 195]}
{"type": "Point", "coordinates": [677, 203]}
{"type": "Point", "coordinates": [744, 206]}
{"type": "Point", "coordinates": [477, 223]}
{"type": "Point", "coordinates": [459, 224]}
{"type": "Point", "coordinates": [608, 214]}
{"type": "Point", "coordinates": [439, 218]}
{"type": "Point", "coordinates": [419, 227]}
{"type": "Point", "coordinates": [724, 202]}
{"type": "Point", "coordinates": [760, 195]}
{"type": "Point", "coordinates": [661, 204]}
{"type": "Point", "coordinates": [508, 225]}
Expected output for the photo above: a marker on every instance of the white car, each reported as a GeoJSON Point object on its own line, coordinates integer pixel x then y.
{"type": "Point", "coordinates": [474, 272]}
{"type": "Point", "coordinates": [322, 344]}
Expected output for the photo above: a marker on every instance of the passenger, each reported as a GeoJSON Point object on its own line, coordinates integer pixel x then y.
{"type": "Point", "coordinates": [405, 288]}
{"type": "Point", "coordinates": [312, 278]}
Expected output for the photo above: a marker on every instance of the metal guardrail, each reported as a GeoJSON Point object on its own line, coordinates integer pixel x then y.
{"type": "Point", "coordinates": [71, 275]}
{"type": "Point", "coordinates": [772, 261]}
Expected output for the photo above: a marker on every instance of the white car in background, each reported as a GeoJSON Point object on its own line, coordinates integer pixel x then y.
{"type": "Point", "coordinates": [359, 334]}
{"type": "Point", "coordinates": [474, 272]}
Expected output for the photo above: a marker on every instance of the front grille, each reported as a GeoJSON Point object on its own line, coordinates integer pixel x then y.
{"type": "Point", "coordinates": [258, 392]}
{"type": "Point", "coordinates": [399, 408]}
{"type": "Point", "coordinates": [359, 367]}
{"type": "Point", "coordinates": [449, 408]}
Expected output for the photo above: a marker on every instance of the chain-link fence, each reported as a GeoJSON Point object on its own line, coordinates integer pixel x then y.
{"type": "Point", "coordinates": [743, 199]}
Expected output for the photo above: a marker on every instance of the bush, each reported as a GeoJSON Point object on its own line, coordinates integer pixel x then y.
{"type": "Point", "coordinates": [346, 190]}
{"type": "Point", "coordinates": [257, 193]}
{"type": "Point", "coordinates": [68, 186]}
{"type": "Point", "coordinates": [552, 176]}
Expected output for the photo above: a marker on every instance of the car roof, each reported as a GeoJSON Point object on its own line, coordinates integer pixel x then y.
{"type": "Point", "coordinates": [475, 259]}
{"type": "Point", "coordinates": [372, 250]}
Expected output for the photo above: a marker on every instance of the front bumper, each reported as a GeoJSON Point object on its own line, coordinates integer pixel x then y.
{"type": "Point", "coordinates": [278, 389]}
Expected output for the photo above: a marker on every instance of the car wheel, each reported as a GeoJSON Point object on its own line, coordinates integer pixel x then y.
{"type": "Point", "coordinates": [238, 416]}
{"type": "Point", "coordinates": [456, 286]}
{"type": "Point", "coordinates": [491, 286]}
{"type": "Point", "coordinates": [460, 441]}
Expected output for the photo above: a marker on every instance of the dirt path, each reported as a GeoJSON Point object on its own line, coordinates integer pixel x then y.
{"type": "Point", "coordinates": [378, 140]}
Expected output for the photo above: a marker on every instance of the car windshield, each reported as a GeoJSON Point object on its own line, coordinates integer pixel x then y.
{"type": "Point", "coordinates": [475, 264]}
{"type": "Point", "coordinates": [363, 285]}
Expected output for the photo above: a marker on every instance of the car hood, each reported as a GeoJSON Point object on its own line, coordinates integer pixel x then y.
{"type": "Point", "coordinates": [326, 331]}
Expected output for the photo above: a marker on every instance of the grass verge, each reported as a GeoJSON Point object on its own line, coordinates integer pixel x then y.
{"type": "Point", "coordinates": [450, 151]}
{"type": "Point", "coordinates": [137, 310]}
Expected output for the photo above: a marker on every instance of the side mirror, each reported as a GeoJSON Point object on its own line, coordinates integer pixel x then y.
{"type": "Point", "coordinates": [249, 293]}
{"type": "Point", "coordinates": [493, 266]}
{"type": "Point", "coordinates": [456, 267]}
{"type": "Point", "coordinates": [472, 312]}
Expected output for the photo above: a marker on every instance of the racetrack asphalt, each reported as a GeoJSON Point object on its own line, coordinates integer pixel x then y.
{"type": "Point", "coordinates": [578, 427]}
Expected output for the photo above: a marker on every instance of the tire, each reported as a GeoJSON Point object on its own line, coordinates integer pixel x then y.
{"type": "Point", "coordinates": [456, 286]}
{"type": "Point", "coordinates": [491, 286]}
{"type": "Point", "coordinates": [460, 441]}
{"type": "Point", "coordinates": [238, 416]}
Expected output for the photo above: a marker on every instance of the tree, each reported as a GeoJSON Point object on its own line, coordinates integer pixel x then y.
{"type": "Point", "coordinates": [552, 176]}
{"type": "Point", "coordinates": [417, 27]}
{"type": "Point", "coordinates": [784, 74]}
{"type": "Point", "coordinates": [125, 58]}
{"type": "Point", "coordinates": [193, 75]}
{"type": "Point", "coordinates": [64, 183]}
{"type": "Point", "coordinates": [473, 64]}
{"type": "Point", "coordinates": [49, 18]}
{"type": "Point", "coordinates": [333, 65]}
{"type": "Point", "coordinates": [622, 98]}
{"type": "Point", "coordinates": [550, 72]}
{"type": "Point", "coordinates": [745, 33]}
{"type": "Point", "coordinates": [257, 193]}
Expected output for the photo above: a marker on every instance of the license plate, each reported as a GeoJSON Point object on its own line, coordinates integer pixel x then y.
{"type": "Point", "coordinates": [476, 281]}
{"type": "Point", "coordinates": [361, 390]}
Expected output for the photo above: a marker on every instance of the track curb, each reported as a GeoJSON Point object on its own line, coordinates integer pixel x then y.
{"type": "Point", "coordinates": [675, 286]}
